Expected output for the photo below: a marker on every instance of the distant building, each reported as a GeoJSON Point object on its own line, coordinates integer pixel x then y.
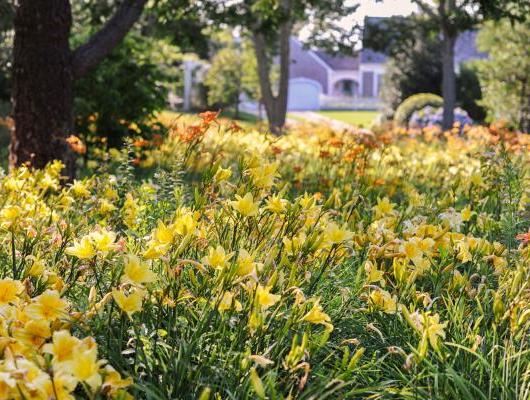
{"type": "Point", "coordinates": [319, 80]}
{"type": "Point", "coordinates": [466, 49]}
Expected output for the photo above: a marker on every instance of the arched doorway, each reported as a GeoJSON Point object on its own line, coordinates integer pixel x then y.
{"type": "Point", "coordinates": [346, 88]}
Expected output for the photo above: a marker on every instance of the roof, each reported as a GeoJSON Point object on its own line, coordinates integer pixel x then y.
{"type": "Point", "coordinates": [338, 62]}
{"type": "Point", "coordinates": [373, 57]}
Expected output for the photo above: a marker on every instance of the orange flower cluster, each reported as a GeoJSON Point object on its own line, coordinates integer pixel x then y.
{"type": "Point", "coordinates": [76, 144]}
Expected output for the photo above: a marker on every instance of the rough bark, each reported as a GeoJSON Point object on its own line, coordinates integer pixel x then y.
{"type": "Point", "coordinates": [267, 97]}
{"type": "Point", "coordinates": [448, 79]}
{"type": "Point", "coordinates": [275, 105]}
{"type": "Point", "coordinates": [42, 82]}
{"type": "Point", "coordinates": [44, 69]}
{"type": "Point", "coordinates": [285, 62]}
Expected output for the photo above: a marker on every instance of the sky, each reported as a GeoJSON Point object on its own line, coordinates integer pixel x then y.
{"type": "Point", "coordinates": [385, 8]}
{"type": "Point", "coordinates": [371, 8]}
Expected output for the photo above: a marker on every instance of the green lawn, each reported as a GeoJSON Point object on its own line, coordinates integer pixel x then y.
{"type": "Point", "coordinates": [246, 120]}
{"type": "Point", "coordinates": [358, 118]}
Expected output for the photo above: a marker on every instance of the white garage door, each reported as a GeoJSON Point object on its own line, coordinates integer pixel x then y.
{"type": "Point", "coordinates": [304, 94]}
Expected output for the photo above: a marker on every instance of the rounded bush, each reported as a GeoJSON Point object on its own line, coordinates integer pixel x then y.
{"type": "Point", "coordinates": [414, 103]}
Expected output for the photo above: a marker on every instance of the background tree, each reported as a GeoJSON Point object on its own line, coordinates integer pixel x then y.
{"type": "Point", "coordinates": [44, 71]}
{"type": "Point", "coordinates": [469, 91]}
{"type": "Point", "coordinates": [224, 79]}
{"type": "Point", "coordinates": [120, 98]}
{"type": "Point", "coordinates": [414, 48]}
{"type": "Point", "coordinates": [233, 72]}
{"type": "Point", "coordinates": [270, 24]}
{"type": "Point", "coordinates": [505, 75]}
{"type": "Point", "coordinates": [455, 16]}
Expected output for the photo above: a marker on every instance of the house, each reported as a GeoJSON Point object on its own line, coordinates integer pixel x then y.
{"type": "Point", "coordinates": [321, 80]}
{"type": "Point", "coordinates": [466, 48]}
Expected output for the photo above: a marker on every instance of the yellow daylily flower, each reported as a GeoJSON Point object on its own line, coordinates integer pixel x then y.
{"type": "Point", "coordinates": [383, 207]}
{"type": "Point", "coordinates": [63, 346]}
{"type": "Point", "coordinates": [245, 263]}
{"type": "Point", "coordinates": [384, 301]}
{"type": "Point", "coordinates": [263, 176]}
{"type": "Point", "coordinates": [163, 234]}
{"type": "Point", "coordinates": [48, 306]}
{"type": "Point", "coordinates": [217, 257]}
{"type": "Point", "coordinates": [85, 367]}
{"type": "Point", "coordinates": [245, 205]}
{"type": "Point", "coordinates": [185, 224]}
{"type": "Point", "coordinates": [62, 386]}
{"type": "Point", "coordinates": [130, 303]}
{"type": "Point", "coordinates": [10, 290]}
{"type": "Point", "coordinates": [79, 189]}
{"type": "Point", "coordinates": [466, 214]}
{"type": "Point", "coordinates": [276, 204]}
{"type": "Point", "coordinates": [137, 272]}
{"type": "Point", "coordinates": [222, 174]}
{"type": "Point", "coordinates": [265, 298]}
{"type": "Point", "coordinates": [83, 249]}
{"type": "Point", "coordinates": [317, 316]}
{"type": "Point", "coordinates": [334, 234]}
{"type": "Point", "coordinates": [104, 241]}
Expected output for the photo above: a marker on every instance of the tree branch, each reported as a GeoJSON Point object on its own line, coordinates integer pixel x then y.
{"type": "Point", "coordinates": [90, 54]}
{"type": "Point", "coordinates": [425, 8]}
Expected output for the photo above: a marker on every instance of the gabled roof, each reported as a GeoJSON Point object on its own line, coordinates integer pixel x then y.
{"type": "Point", "coordinates": [338, 62]}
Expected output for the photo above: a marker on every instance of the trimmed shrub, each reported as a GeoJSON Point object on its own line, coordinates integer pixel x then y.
{"type": "Point", "coordinates": [414, 103]}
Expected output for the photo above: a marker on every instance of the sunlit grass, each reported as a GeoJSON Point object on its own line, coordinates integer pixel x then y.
{"type": "Point", "coordinates": [357, 118]}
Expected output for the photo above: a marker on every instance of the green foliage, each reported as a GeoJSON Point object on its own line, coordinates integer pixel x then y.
{"type": "Point", "coordinates": [129, 86]}
{"type": "Point", "coordinates": [505, 75]}
{"type": "Point", "coordinates": [415, 103]}
{"type": "Point", "coordinates": [233, 72]}
{"type": "Point", "coordinates": [415, 65]}
{"type": "Point", "coordinates": [414, 49]}
{"type": "Point", "coordinates": [224, 79]}
{"type": "Point", "coordinates": [469, 92]}
{"type": "Point", "coordinates": [266, 16]}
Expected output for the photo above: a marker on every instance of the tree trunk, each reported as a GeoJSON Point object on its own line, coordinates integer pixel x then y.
{"type": "Point", "coordinates": [267, 97]}
{"type": "Point", "coordinates": [283, 87]}
{"type": "Point", "coordinates": [42, 83]}
{"type": "Point", "coordinates": [448, 78]}
{"type": "Point", "coordinates": [236, 110]}
{"type": "Point", "coordinates": [44, 69]}
{"type": "Point", "coordinates": [275, 105]}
